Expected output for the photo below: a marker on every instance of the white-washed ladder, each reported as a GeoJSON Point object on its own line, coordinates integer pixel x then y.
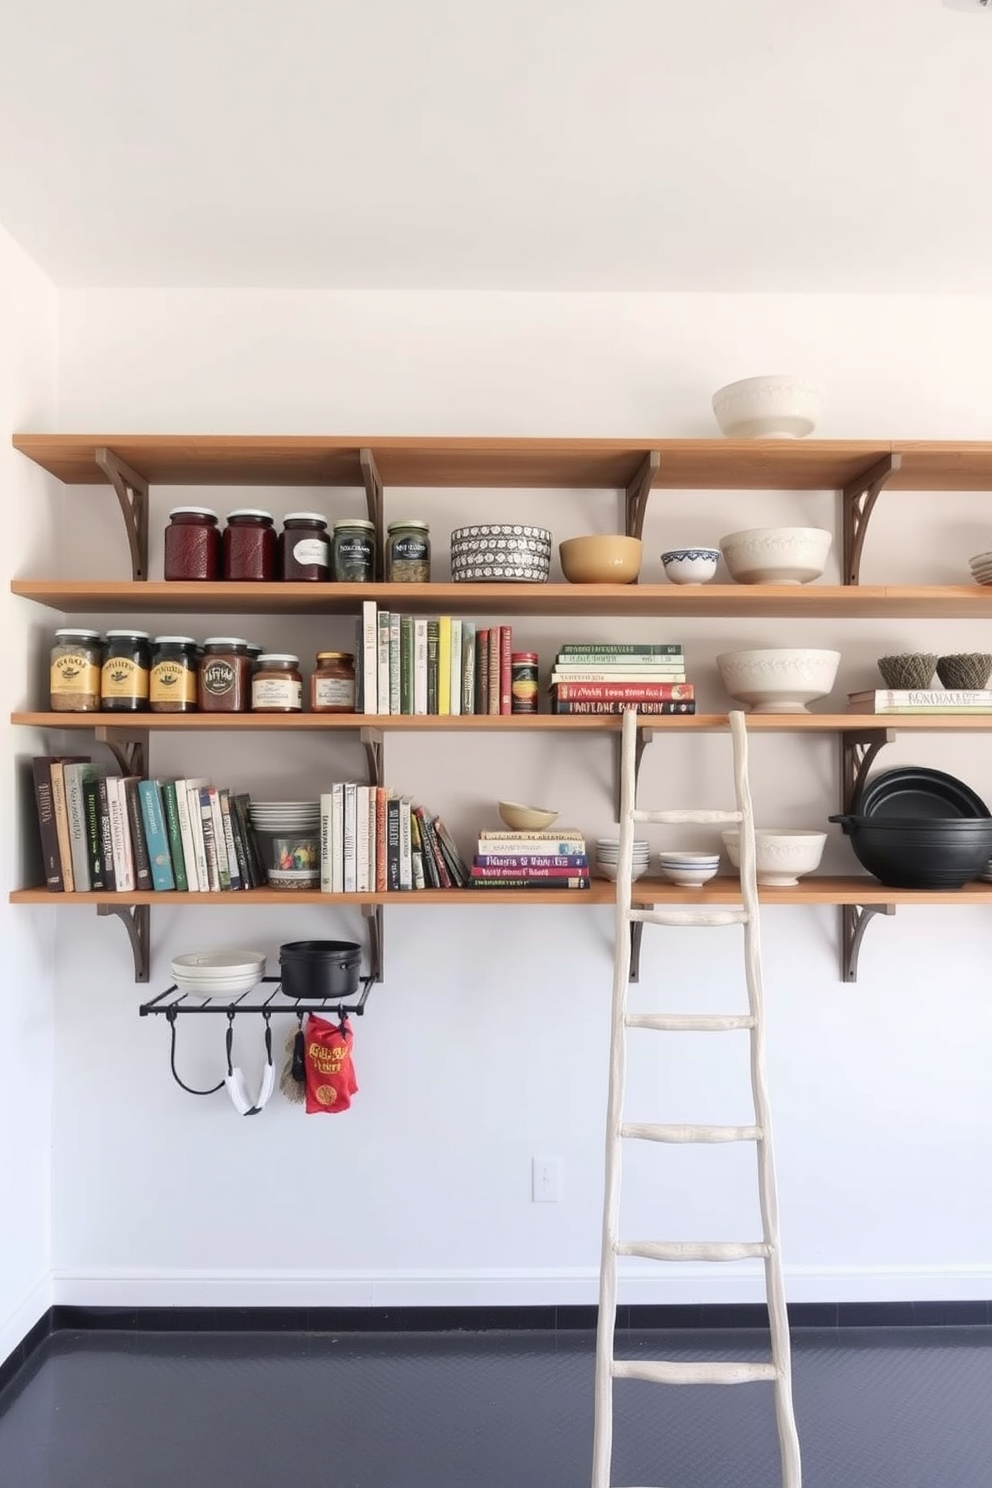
{"type": "Point", "coordinates": [608, 1367]}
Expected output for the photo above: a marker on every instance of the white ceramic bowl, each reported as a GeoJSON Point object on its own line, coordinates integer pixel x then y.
{"type": "Point", "coordinates": [690, 565]}
{"type": "Point", "coordinates": [610, 871]}
{"type": "Point", "coordinates": [776, 555]}
{"type": "Point", "coordinates": [781, 406]}
{"type": "Point", "coordinates": [689, 876]}
{"type": "Point", "coordinates": [782, 855]}
{"type": "Point", "coordinates": [778, 680]}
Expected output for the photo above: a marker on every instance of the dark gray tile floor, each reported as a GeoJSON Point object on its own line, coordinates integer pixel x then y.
{"type": "Point", "coordinates": [877, 1408]}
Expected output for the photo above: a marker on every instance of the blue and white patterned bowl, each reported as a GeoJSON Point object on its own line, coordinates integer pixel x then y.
{"type": "Point", "coordinates": [690, 565]}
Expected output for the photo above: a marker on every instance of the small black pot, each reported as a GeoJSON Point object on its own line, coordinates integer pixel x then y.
{"type": "Point", "coordinates": [920, 853]}
{"type": "Point", "coordinates": [316, 969]}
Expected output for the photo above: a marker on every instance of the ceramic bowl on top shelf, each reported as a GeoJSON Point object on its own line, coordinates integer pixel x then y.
{"type": "Point", "coordinates": [501, 552]}
{"type": "Point", "coordinates": [783, 855]}
{"type": "Point", "coordinates": [690, 565]}
{"type": "Point", "coordinates": [521, 818]}
{"type": "Point", "coordinates": [601, 558]}
{"type": "Point", "coordinates": [778, 679]}
{"type": "Point", "coordinates": [781, 406]}
{"type": "Point", "coordinates": [776, 555]}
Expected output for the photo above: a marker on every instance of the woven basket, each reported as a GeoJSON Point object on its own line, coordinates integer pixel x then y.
{"type": "Point", "coordinates": [911, 669]}
{"type": "Point", "coordinates": [968, 670]}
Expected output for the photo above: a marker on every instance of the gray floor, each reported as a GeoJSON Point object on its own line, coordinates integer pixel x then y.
{"type": "Point", "coordinates": [877, 1408]}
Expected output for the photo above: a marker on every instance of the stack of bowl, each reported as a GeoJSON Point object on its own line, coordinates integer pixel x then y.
{"type": "Point", "coordinates": [288, 837]}
{"type": "Point", "coordinates": [500, 553]}
{"type": "Point", "coordinates": [981, 568]}
{"type": "Point", "coordinates": [608, 855]}
{"type": "Point", "coordinates": [690, 870]}
{"type": "Point", "coordinates": [225, 973]}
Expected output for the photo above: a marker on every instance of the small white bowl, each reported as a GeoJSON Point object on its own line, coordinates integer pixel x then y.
{"type": "Point", "coordinates": [781, 406]}
{"type": "Point", "coordinates": [687, 876]}
{"type": "Point", "coordinates": [610, 871]}
{"type": "Point", "coordinates": [779, 679]}
{"type": "Point", "coordinates": [782, 855]}
{"type": "Point", "coordinates": [690, 565]}
{"type": "Point", "coordinates": [776, 555]}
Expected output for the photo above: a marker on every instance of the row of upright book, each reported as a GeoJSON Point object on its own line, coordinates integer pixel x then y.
{"type": "Point", "coordinates": [373, 841]}
{"type": "Point", "coordinates": [409, 664]}
{"type": "Point", "coordinates": [607, 677]}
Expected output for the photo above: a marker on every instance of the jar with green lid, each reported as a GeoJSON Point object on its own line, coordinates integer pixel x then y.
{"type": "Point", "coordinates": [172, 683]}
{"type": "Point", "coordinates": [408, 552]}
{"type": "Point", "coordinates": [353, 551]}
{"type": "Point", "coordinates": [126, 670]}
{"type": "Point", "coordinates": [74, 679]}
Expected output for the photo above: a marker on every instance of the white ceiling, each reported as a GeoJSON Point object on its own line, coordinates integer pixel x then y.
{"type": "Point", "coordinates": [526, 144]}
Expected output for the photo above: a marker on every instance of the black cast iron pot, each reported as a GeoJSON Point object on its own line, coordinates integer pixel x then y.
{"type": "Point", "coordinates": [920, 853]}
{"type": "Point", "coordinates": [315, 969]}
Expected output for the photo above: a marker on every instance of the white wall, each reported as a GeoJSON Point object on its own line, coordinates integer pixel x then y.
{"type": "Point", "coordinates": [486, 1044]}
{"type": "Point", "coordinates": [31, 502]}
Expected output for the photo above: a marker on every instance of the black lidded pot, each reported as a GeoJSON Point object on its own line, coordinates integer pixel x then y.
{"type": "Point", "coordinates": [920, 852]}
{"type": "Point", "coordinates": [313, 970]}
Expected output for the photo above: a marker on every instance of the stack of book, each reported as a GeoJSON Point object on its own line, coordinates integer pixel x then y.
{"type": "Point", "coordinates": [121, 834]}
{"type": "Point", "coordinates": [531, 860]}
{"type": "Point", "coordinates": [912, 700]}
{"type": "Point", "coordinates": [372, 841]}
{"type": "Point", "coordinates": [590, 677]}
{"type": "Point", "coordinates": [409, 664]}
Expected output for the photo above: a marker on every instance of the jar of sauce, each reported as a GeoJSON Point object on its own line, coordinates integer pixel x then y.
{"type": "Point", "coordinates": [408, 552]}
{"type": "Point", "coordinates": [332, 683]}
{"type": "Point", "coordinates": [277, 686]}
{"type": "Point", "coordinates": [353, 551]}
{"type": "Point", "coordinates": [192, 544]}
{"type": "Point", "coordinates": [172, 684]}
{"type": "Point", "coordinates": [304, 548]}
{"type": "Point", "coordinates": [523, 682]}
{"type": "Point", "coordinates": [74, 685]}
{"type": "Point", "coordinates": [250, 545]}
{"type": "Point", "coordinates": [124, 677]}
{"type": "Point", "coordinates": [224, 681]}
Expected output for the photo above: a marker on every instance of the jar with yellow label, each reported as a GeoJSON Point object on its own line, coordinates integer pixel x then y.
{"type": "Point", "coordinates": [172, 684]}
{"type": "Point", "coordinates": [124, 677]}
{"type": "Point", "coordinates": [74, 685]}
{"type": "Point", "coordinates": [332, 683]}
{"type": "Point", "coordinates": [277, 686]}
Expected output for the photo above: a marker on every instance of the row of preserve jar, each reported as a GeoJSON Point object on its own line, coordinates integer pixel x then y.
{"type": "Point", "coordinates": [249, 548]}
{"type": "Point", "coordinates": [130, 672]}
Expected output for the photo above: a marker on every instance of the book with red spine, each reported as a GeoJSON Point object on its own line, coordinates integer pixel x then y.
{"type": "Point", "coordinates": [572, 871]}
{"type": "Point", "coordinates": [614, 707]}
{"type": "Point", "coordinates": [494, 669]}
{"type": "Point", "coordinates": [505, 673]}
{"type": "Point", "coordinates": [624, 692]}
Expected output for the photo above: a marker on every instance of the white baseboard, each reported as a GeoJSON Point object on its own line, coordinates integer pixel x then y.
{"type": "Point", "coordinates": [23, 1316]}
{"type": "Point", "coordinates": [97, 1287]}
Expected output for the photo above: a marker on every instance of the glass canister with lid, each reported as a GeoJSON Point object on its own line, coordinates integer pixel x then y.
{"type": "Point", "coordinates": [250, 545]}
{"type": "Point", "coordinates": [74, 678]}
{"type": "Point", "coordinates": [125, 675]}
{"type": "Point", "coordinates": [277, 686]}
{"type": "Point", "coordinates": [353, 551]}
{"type": "Point", "coordinates": [408, 552]}
{"type": "Point", "coordinates": [304, 551]}
{"type": "Point", "coordinates": [192, 544]}
{"type": "Point", "coordinates": [224, 680]}
{"type": "Point", "coordinates": [172, 683]}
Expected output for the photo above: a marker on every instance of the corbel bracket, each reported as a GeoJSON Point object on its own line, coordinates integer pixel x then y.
{"type": "Point", "coordinates": [373, 914]}
{"type": "Point", "coordinates": [132, 493]}
{"type": "Point", "coordinates": [858, 750]}
{"type": "Point", "coordinates": [375, 755]}
{"type": "Point", "coordinates": [644, 737]}
{"type": "Point", "coordinates": [373, 500]}
{"type": "Point", "coordinates": [638, 492]}
{"type": "Point", "coordinates": [130, 749]}
{"type": "Point", "coordinates": [860, 496]}
{"type": "Point", "coordinates": [854, 922]}
{"type": "Point", "coordinates": [136, 919]}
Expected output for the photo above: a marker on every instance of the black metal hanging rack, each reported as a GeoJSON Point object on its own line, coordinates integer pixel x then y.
{"type": "Point", "coordinates": [173, 1003]}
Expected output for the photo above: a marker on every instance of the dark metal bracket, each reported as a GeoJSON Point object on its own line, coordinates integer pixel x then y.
{"type": "Point", "coordinates": [375, 754]}
{"type": "Point", "coordinates": [132, 493]}
{"type": "Point", "coordinates": [644, 737]}
{"type": "Point", "coordinates": [854, 922]}
{"type": "Point", "coordinates": [129, 748]}
{"type": "Point", "coordinates": [860, 496]}
{"type": "Point", "coordinates": [638, 492]}
{"type": "Point", "coordinates": [137, 921]}
{"type": "Point", "coordinates": [373, 499]}
{"type": "Point", "coordinates": [858, 749]}
{"type": "Point", "coordinates": [636, 931]}
{"type": "Point", "coordinates": [373, 914]}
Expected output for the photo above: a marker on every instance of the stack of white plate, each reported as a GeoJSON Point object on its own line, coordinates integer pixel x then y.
{"type": "Point", "coordinates": [690, 870]}
{"type": "Point", "coordinates": [223, 973]}
{"type": "Point", "coordinates": [981, 568]}
{"type": "Point", "coordinates": [285, 816]}
{"type": "Point", "coordinates": [288, 837]}
{"type": "Point", "coordinates": [608, 854]}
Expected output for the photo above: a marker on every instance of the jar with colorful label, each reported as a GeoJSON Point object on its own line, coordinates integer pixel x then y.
{"type": "Point", "coordinates": [277, 686]}
{"type": "Point", "coordinates": [523, 682]}
{"type": "Point", "coordinates": [408, 552]}
{"type": "Point", "coordinates": [124, 677]}
{"type": "Point", "coordinates": [172, 683]}
{"type": "Point", "coordinates": [353, 551]}
{"type": "Point", "coordinates": [250, 545]}
{"type": "Point", "coordinates": [192, 544]}
{"type": "Point", "coordinates": [224, 680]}
{"type": "Point", "coordinates": [304, 553]}
{"type": "Point", "coordinates": [332, 683]}
{"type": "Point", "coordinates": [74, 679]}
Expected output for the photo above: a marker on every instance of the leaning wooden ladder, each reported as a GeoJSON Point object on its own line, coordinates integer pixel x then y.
{"type": "Point", "coordinates": [608, 1367]}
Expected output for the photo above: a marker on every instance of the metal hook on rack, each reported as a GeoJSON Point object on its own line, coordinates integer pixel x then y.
{"type": "Point", "coordinates": [170, 1013]}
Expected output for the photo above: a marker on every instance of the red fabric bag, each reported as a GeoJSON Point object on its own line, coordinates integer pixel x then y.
{"type": "Point", "coordinates": [330, 1073]}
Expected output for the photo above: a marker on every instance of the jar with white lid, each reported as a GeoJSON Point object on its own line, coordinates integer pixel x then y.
{"type": "Point", "coordinates": [277, 686]}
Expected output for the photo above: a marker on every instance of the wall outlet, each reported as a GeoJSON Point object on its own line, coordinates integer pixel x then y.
{"type": "Point", "coordinates": [545, 1180]}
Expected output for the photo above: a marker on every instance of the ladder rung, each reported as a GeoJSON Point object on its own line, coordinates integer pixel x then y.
{"type": "Point", "coordinates": [693, 1250]}
{"type": "Point", "coordinates": [690, 1022]}
{"type": "Point", "coordinates": [649, 1132]}
{"type": "Point", "coordinates": [664, 1372]}
{"type": "Point", "coordinates": [697, 818]}
{"type": "Point", "coordinates": [698, 918]}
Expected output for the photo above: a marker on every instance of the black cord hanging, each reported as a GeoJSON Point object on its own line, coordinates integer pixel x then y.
{"type": "Point", "coordinates": [171, 1016]}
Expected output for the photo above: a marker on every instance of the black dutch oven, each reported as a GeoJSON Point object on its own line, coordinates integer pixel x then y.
{"type": "Point", "coordinates": [315, 969]}
{"type": "Point", "coordinates": [920, 853]}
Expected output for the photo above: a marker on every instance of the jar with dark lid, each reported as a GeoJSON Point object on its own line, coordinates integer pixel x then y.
{"type": "Point", "coordinates": [172, 684]}
{"type": "Point", "coordinates": [277, 686]}
{"type": "Point", "coordinates": [249, 545]}
{"type": "Point", "coordinates": [124, 677]}
{"type": "Point", "coordinates": [192, 544]}
{"type": "Point", "coordinates": [523, 682]}
{"type": "Point", "coordinates": [353, 551]}
{"type": "Point", "coordinates": [224, 681]}
{"type": "Point", "coordinates": [408, 552]}
{"type": "Point", "coordinates": [74, 679]}
{"type": "Point", "coordinates": [304, 552]}
{"type": "Point", "coordinates": [332, 683]}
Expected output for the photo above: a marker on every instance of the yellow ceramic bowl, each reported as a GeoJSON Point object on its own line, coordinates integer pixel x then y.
{"type": "Point", "coordinates": [526, 818]}
{"type": "Point", "coordinates": [601, 559]}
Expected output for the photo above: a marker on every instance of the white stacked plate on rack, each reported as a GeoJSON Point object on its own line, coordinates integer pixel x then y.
{"type": "Point", "coordinates": [221, 973]}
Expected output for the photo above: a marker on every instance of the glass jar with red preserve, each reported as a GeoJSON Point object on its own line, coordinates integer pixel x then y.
{"type": "Point", "coordinates": [250, 545]}
{"type": "Point", "coordinates": [192, 544]}
{"type": "Point", "coordinates": [304, 552]}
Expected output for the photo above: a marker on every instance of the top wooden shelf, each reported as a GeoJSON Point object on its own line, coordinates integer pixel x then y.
{"type": "Point", "coordinates": [685, 464]}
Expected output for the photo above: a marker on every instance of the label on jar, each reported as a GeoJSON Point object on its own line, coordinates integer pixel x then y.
{"type": "Point", "coordinates": [410, 549]}
{"type": "Point", "coordinates": [73, 674]}
{"type": "Point", "coordinates": [334, 692]}
{"type": "Point", "coordinates": [277, 692]}
{"type": "Point", "coordinates": [219, 677]}
{"type": "Point", "coordinates": [311, 550]}
{"type": "Point", "coordinates": [172, 682]}
{"type": "Point", "coordinates": [123, 678]}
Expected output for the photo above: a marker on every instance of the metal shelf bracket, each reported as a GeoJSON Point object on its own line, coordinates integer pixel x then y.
{"type": "Point", "coordinates": [638, 492]}
{"type": "Point", "coordinates": [859, 501]}
{"type": "Point", "coordinates": [644, 737]}
{"type": "Point", "coordinates": [858, 748]}
{"type": "Point", "coordinates": [375, 752]}
{"type": "Point", "coordinates": [137, 920]}
{"type": "Point", "coordinates": [129, 748]}
{"type": "Point", "coordinates": [636, 931]}
{"type": "Point", "coordinates": [854, 922]}
{"type": "Point", "coordinates": [373, 914]}
{"type": "Point", "coordinates": [373, 500]}
{"type": "Point", "coordinates": [132, 493]}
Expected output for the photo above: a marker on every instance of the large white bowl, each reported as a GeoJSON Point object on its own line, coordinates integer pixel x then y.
{"type": "Point", "coordinates": [782, 406]}
{"type": "Point", "coordinates": [782, 855]}
{"type": "Point", "coordinates": [779, 680]}
{"type": "Point", "coordinates": [776, 555]}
